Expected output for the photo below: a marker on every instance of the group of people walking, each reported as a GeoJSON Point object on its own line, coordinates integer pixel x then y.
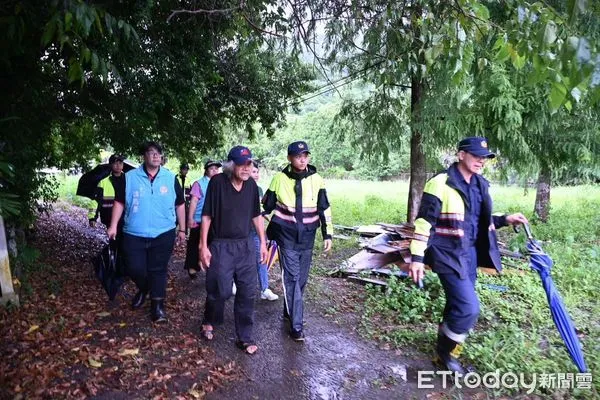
{"type": "Point", "coordinates": [227, 236]}
{"type": "Point", "coordinates": [454, 234]}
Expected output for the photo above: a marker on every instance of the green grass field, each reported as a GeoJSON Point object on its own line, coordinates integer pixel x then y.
{"type": "Point", "coordinates": [515, 331]}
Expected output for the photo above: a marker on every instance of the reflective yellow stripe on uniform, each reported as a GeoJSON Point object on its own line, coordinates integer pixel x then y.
{"type": "Point", "coordinates": [421, 237]}
{"type": "Point", "coordinates": [450, 220]}
{"type": "Point", "coordinates": [285, 208]}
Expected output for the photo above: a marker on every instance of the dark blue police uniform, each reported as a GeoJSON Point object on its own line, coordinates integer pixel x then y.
{"type": "Point", "coordinates": [462, 304]}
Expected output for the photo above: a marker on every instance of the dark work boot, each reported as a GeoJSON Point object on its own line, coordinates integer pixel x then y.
{"type": "Point", "coordinates": [157, 309]}
{"type": "Point", "coordinates": [139, 299]}
{"type": "Point", "coordinates": [448, 352]}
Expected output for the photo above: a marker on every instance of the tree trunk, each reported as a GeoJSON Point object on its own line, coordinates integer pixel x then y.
{"type": "Point", "coordinates": [542, 196]}
{"type": "Point", "coordinates": [418, 174]}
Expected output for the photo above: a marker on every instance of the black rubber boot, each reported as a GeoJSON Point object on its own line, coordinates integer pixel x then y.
{"type": "Point", "coordinates": [448, 352]}
{"type": "Point", "coordinates": [139, 299]}
{"type": "Point", "coordinates": [157, 308]}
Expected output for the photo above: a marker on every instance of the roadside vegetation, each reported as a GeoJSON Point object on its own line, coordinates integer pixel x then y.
{"type": "Point", "coordinates": [515, 331]}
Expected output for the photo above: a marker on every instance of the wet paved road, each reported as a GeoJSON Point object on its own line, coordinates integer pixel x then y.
{"type": "Point", "coordinates": [333, 362]}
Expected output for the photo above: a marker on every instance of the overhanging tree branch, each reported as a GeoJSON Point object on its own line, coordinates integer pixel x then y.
{"type": "Point", "coordinates": [208, 12]}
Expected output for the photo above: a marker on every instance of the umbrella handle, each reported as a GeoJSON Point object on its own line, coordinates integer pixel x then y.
{"type": "Point", "coordinates": [527, 230]}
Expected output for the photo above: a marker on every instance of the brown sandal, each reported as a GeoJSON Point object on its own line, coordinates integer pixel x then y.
{"type": "Point", "coordinates": [249, 348]}
{"type": "Point", "coordinates": [207, 333]}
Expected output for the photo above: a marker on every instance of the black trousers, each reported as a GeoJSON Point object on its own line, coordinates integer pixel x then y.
{"type": "Point", "coordinates": [232, 261]}
{"type": "Point", "coordinates": [192, 253]}
{"type": "Point", "coordinates": [147, 259]}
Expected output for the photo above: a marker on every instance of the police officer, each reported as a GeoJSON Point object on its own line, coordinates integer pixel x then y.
{"type": "Point", "coordinates": [105, 192]}
{"type": "Point", "coordinates": [455, 232]}
{"type": "Point", "coordinates": [105, 197]}
{"type": "Point", "coordinates": [298, 199]}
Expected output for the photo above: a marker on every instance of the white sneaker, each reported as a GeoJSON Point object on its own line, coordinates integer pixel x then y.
{"type": "Point", "coordinates": [234, 289]}
{"type": "Point", "coordinates": [267, 294]}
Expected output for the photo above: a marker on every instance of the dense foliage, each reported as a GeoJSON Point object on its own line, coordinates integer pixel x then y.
{"type": "Point", "coordinates": [80, 76]}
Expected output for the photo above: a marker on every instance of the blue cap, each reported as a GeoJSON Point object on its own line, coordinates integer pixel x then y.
{"type": "Point", "coordinates": [298, 147]}
{"type": "Point", "coordinates": [240, 155]}
{"type": "Point", "coordinates": [476, 145]}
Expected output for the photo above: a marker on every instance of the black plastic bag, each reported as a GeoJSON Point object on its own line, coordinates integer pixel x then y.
{"type": "Point", "coordinates": [106, 267]}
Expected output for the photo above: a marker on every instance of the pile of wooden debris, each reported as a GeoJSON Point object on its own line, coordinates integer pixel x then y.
{"type": "Point", "coordinates": [385, 252]}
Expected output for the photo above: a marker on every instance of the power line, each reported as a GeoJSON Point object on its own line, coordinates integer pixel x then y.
{"type": "Point", "coordinates": [331, 86]}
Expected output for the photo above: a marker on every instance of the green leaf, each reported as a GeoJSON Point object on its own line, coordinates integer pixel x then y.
{"type": "Point", "coordinates": [535, 77]}
{"type": "Point", "coordinates": [550, 32]}
{"type": "Point", "coordinates": [504, 53]}
{"type": "Point", "coordinates": [428, 55]}
{"type": "Point", "coordinates": [85, 54]}
{"type": "Point", "coordinates": [68, 20]}
{"type": "Point", "coordinates": [108, 20]}
{"type": "Point", "coordinates": [499, 43]}
{"type": "Point", "coordinates": [98, 23]}
{"type": "Point", "coordinates": [481, 11]}
{"type": "Point", "coordinates": [95, 62]}
{"type": "Point", "coordinates": [103, 69]}
{"type": "Point", "coordinates": [48, 34]}
{"type": "Point", "coordinates": [518, 61]}
{"type": "Point", "coordinates": [75, 72]}
{"type": "Point", "coordinates": [557, 95]}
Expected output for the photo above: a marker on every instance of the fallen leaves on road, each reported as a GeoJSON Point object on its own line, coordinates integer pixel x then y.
{"type": "Point", "coordinates": [67, 341]}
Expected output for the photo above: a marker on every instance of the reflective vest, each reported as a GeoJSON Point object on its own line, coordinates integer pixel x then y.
{"type": "Point", "coordinates": [107, 200]}
{"type": "Point", "coordinates": [299, 204]}
{"type": "Point", "coordinates": [203, 183]}
{"type": "Point", "coordinates": [439, 238]}
{"type": "Point", "coordinates": [149, 206]}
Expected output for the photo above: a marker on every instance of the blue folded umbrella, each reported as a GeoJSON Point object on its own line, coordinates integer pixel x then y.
{"type": "Point", "coordinates": [542, 263]}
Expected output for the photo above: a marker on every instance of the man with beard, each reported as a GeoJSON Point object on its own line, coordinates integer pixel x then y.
{"type": "Point", "coordinates": [226, 248]}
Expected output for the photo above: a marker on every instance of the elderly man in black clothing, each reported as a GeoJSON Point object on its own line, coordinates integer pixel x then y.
{"type": "Point", "coordinates": [227, 250]}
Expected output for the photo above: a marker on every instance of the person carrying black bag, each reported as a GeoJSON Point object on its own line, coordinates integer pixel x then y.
{"type": "Point", "coordinates": [109, 265]}
{"type": "Point", "coordinates": [107, 269]}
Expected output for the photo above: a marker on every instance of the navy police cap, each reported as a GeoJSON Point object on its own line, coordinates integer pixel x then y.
{"type": "Point", "coordinates": [476, 145]}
